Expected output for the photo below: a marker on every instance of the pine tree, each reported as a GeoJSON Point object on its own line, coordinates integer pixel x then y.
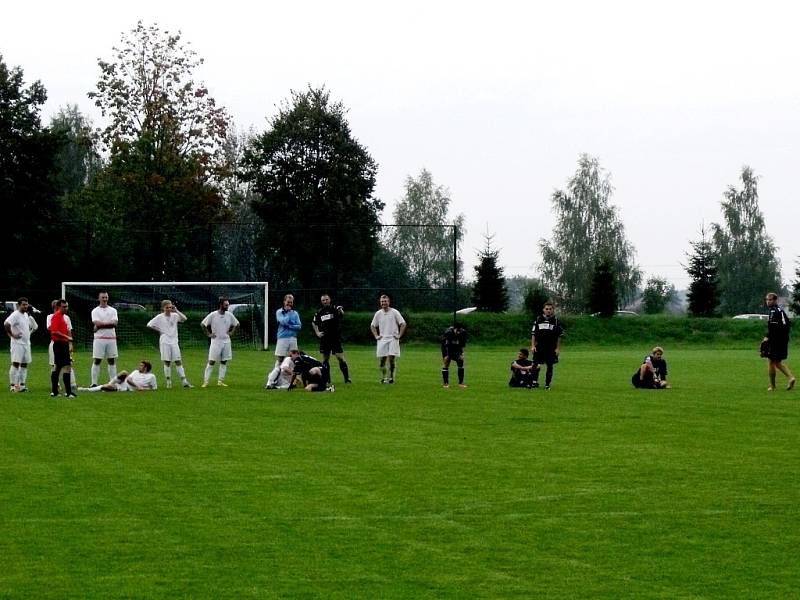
{"type": "Point", "coordinates": [489, 293]}
{"type": "Point", "coordinates": [703, 294]}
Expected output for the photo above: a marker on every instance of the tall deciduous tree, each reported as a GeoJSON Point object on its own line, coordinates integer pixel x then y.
{"type": "Point", "coordinates": [165, 134]}
{"type": "Point", "coordinates": [703, 293]}
{"type": "Point", "coordinates": [746, 254]}
{"type": "Point", "coordinates": [315, 183]}
{"type": "Point", "coordinates": [77, 161]}
{"type": "Point", "coordinates": [489, 292]}
{"type": "Point", "coordinates": [588, 228]}
{"type": "Point", "coordinates": [422, 234]}
{"type": "Point", "coordinates": [27, 154]}
{"type": "Point", "coordinates": [657, 295]}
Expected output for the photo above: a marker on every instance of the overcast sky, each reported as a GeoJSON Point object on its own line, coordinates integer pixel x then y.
{"type": "Point", "coordinates": [496, 99]}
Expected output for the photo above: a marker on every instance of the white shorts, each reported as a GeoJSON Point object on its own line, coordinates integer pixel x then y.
{"type": "Point", "coordinates": [20, 353]}
{"type": "Point", "coordinates": [388, 347]}
{"type": "Point", "coordinates": [285, 345]}
{"type": "Point", "coordinates": [170, 352]}
{"type": "Point", "coordinates": [104, 348]}
{"type": "Point", "coordinates": [50, 355]}
{"type": "Point", "coordinates": [220, 350]}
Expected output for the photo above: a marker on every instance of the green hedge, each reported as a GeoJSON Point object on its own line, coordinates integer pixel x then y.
{"type": "Point", "coordinates": [514, 329]}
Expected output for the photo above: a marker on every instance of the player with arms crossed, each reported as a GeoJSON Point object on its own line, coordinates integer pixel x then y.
{"type": "Point", "coordinates": [219, 326]}
{"type": "Point", "coordinates": [546, 337]}
{"type": "Point", "coordinates": [19, 326]}
{"type": "Point", "coordinates": [104, 320]}
{"type": "Point", "coordinates": [387, 327]}
{"type": "Point", "coordinates": [327, 326]}
{"type": "Point", "coordinates": [166, 323]}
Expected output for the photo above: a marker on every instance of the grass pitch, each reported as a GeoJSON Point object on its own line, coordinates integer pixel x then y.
{"type": "Point", "coordinates": [592, 489]}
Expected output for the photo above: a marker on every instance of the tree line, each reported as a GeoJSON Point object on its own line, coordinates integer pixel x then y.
{"type": "Point", "coordinates": [170, 189]}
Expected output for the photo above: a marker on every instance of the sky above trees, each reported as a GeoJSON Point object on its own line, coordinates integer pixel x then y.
{"type": "Point", "coordinates": [497, 100]}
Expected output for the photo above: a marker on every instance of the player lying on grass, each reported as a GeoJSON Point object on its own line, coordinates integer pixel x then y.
{"type": "Point", "coordinates": [652, 375]}
{"type": "Point", "coordinates": [141, 380]}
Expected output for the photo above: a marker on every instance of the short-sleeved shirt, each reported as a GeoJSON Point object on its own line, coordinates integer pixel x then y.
{"type": "Point", "coordinates": [388, 323]}
{"type": "Point", "coordinates": [220, 324]}
{"type": "Point", "coordinates": [58, 324]}
{"type": "Point", "coordinates": [20, 323]}
{"type": "Point", "coordinates": [453, 342]}
{"type": "Point", "coordinates": [145, 380]}
{"type": "Point", "coordinates": [104, 314]}
{"type": "Point", "coordinates": [546, 331]}
{"type": "Point", "coordinates": [659, 366]}
{"type": "Point", "coordinates": [328, 320]}
{"type": "Point", "coordinates": [167, 326]}
{"type": "Point", "coordinates": [778, 325]}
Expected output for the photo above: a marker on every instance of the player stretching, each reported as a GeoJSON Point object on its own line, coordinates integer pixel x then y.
{"type": "Point", "coordinates": [166, 323]}
{"type": "Point", "coordinates": [104, 319]}
{"type": "Point", "coordinates": [387, 328]}
{"type": "Point", "coordinates": [19, 326]}
{"type": "Point", "coordinates": [219, 326]}
{"type": "Point", "coordinates": [454, 339]}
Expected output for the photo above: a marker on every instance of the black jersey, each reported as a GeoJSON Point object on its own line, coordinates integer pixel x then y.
{"type": "Point", "coordinates": [546, 331]}
{"type": "Point", "coordinates": [778, 325]}
{"type": "Point", "coordinates": [454, 339]}
{"type": "Point", "coordinates": [328, 320]}
{"type": "Point", "coordinates": [303, 363]}
{"type": "Point", "coordinates": [659, 366]}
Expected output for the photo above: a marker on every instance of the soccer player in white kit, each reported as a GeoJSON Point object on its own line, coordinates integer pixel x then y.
{"type": "Point", "coordinates": [104, 319]}
{"type": "Point", "coordinates": [19, 325]}
{"type": "Point", "coordinates": [219, 326]}
{"type": "Point", "coordinates": [387, 327]}
{"type": "Point", "coordinates": [166, 323]}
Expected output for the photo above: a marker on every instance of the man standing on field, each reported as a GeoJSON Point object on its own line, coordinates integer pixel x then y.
{"type": "Point", "coordinates": [778, 328]}
{"type": "Point", "coordinates": [62, 346]}
{"type": "Point", "coordinates": [288, 327]}
{"type": "Point", "coordinates": [51, 357]}
{"type": "Point", "coordinates": [327, 326]}
{"type": "Point", "coordinates": [166, 323]}
{"type": "Point", "coordinates": [104, 320]}
{"type": "Point", "coordinates": [219, 326]}
{"type": "Point", "coordinates": [387, 327]}
{"type": "Point", "coordinates": [546, 343]}
{"type": "Point", "coordinates": [19, 325]}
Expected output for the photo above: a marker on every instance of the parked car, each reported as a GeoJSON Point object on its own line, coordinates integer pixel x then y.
{"type": "Point", "coordinates": [240, 308]}
{"type": "Point", "coordinates": [752, 316]}
{"type": "Point", "coordinates": [11, 305]}
{"type": "Point", "coordinates": [620, 313]}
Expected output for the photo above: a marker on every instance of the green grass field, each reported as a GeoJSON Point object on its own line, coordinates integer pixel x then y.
{"type": "Point", "coordinates": [592, 489]}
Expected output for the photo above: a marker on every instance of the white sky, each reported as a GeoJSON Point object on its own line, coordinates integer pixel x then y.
{"type": "Point", "coordinates": [496, 99]}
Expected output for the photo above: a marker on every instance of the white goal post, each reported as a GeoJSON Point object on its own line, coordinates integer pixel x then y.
{"type": "Point", "coordinates": [138, 301]}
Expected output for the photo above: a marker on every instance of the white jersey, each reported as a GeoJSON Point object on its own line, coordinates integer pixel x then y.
{"type": "Point", "coordinates": [105, 314]}
{"type": "Point", "coordinates": [220, 324]}
{"type": "Point", "coordinates": [167, 326]}
{"type": "Point", "coordinates": [388, 323]}
{"type": "Point", "coordinates": [286, 373]}
{"type": "Point", "coordinates": [21, 327]}
{"type": "Point", "coordinates": [143, 380]}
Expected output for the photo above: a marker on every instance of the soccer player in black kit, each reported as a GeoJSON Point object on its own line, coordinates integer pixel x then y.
{"type": "Point", "coordinates": [778, 328]}
{"type": "Point", "coordinates": [454, 339]}
{"type": "Point", "coordinates": [327, 325]}
{"type": "Point", "coordinates": [546, 343]}
{"type": "Point", "coordinates": [315, 374]}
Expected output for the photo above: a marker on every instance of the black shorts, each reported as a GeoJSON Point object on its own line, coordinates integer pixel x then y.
{"type": "Point", "coordinates": [778, 350]}
{"type": "Point", "coordinates": [647, 383]}
{"type": "Point", "coordinates": [330, 345]}
{"type": "Point", "coordinates": [61, 356]}
{"type": "Point", "coordinates": [545, 357]}
{"type": "Point", "coordinates": [454, 353]}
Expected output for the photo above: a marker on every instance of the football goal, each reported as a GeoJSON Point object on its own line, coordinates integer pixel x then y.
{"type": "Point", "coordinates": [139, 301]}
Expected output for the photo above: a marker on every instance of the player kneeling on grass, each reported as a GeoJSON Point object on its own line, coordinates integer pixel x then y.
{"type": "Point", "coordinates": [315, 375]}
{"type": "Point", "coordinates": [282, 376]}
{"type": "Point", "coordinates": [454, 339]}
{"type": "Point", "coordinates": [652, 375]}
{"type": "Point", "coordinates": [141, 380]}
{"type": "Point", "coordinates": [522, 371]}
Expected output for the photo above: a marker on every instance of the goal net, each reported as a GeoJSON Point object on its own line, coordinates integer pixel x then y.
{"type": "Point", "coordinates": [138, 302]}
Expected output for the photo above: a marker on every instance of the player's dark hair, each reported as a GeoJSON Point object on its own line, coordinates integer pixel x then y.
{"type": "Point", "coordinates": [222, 300]}
{"type": "Point", "coordinates": [61, 302]}
{"type": "Point", "coordinates": [147, 366]}
{"type": "Point", "coordinates": [523, 351]}
{"type": "Point", "coordinates": [21, 300]}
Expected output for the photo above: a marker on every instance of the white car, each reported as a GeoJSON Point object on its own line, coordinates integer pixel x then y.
{"type": "Point", "coordinates": [752, 316]}
{"type": "Point", "coordinates": [11, 306]}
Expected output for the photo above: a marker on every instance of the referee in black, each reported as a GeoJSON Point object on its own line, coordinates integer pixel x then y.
{"type": "Point", "coordinates": [327, 324]}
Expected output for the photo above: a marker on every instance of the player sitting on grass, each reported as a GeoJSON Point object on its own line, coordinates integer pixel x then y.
{"type": "Point", "coordinates": [652, 375]}
{"type": "Point", "coordinates": [522, 371]}
{"type": "Point", "coordinates": [141, 380]}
